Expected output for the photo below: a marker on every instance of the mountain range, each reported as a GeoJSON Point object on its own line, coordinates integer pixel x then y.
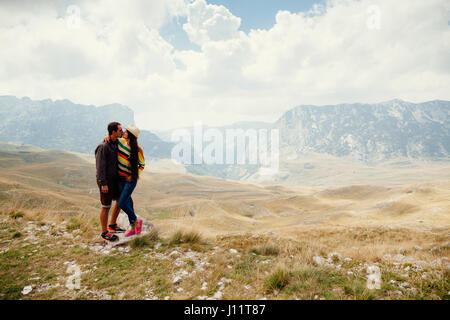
{"type": "Point", "coordinates": [64, 125]}
{"type": "Point", "coordinates": [366, 133]}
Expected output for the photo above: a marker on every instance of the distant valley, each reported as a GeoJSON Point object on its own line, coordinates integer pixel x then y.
{"type": "Point", "coordinates": [326, 145]}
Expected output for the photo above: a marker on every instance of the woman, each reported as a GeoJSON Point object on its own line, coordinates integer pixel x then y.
{"type": "Point", "coordinates": [131, 163]}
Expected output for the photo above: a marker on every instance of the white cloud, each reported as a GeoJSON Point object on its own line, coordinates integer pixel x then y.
{"type": "Point", "coordinates": [210, 23]}
{"type": "Point", "coordinates": [326, 56]}
{"type": "Point", "coordinates": [152, 13]}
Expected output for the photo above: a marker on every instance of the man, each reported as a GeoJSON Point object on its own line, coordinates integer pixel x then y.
{"type": "Point", "coordinates": [107, 181]}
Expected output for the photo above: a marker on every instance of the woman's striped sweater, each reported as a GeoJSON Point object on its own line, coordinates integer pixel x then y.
{"type": "Point", "coordinates": [123, 156]}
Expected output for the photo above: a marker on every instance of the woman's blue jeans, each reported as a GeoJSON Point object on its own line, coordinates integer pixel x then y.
{"type": "Point", "coordinates": [125, 200]}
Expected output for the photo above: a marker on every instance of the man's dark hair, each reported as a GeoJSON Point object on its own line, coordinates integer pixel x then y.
{"type": "Point", "coordinates": [113, 126]}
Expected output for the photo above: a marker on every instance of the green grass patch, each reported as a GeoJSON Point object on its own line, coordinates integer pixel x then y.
{"type": "Point", "coordinates": [11, 292]}
{"type": "Point", "coordinates": [276, 281]}
{"type": "Point", "coordinates": [17, 215]}
{"type": "Point", "coordinates": [266, 251]}
{"type": "Point", "coordinates": [180, 237]}
{"type": "Point", "coordinates": [73, 224]}
{"type": "Point", "coordinates": [327, 283]}
{"type": "Point", "coordinates": [245, 267]}
{"type": "Point", "coordinates": [16, 235]}
{"type": "Point", "coordinates": [145, 240]}
{"type": "Point", "coordinates": [12, 273]}
{"type": "Point", "coordinates": [162, 287]}
{"type": "Point", "coordinates": [139, 242]}
{"type": "Point", "coordinates": [434, 285]}
{"type": "Point", "coordinates": [192, 237]}
{"type": "Point", "coordinates": [176, 238]}
{"type": "Point", "coordinates": [190, 262]}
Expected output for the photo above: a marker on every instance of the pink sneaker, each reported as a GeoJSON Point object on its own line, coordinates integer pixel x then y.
{"type": "Point", "coordinates": [130, 233]}
{"type": "Point", "coordinates": [139, 228]}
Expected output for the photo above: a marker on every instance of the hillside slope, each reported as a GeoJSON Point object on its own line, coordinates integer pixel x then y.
{"type": "Point", "coordinates": [216, 238]}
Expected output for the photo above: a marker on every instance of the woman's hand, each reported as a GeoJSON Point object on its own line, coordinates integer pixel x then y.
{"type": "Point", "coordinates": [107, 138]}
{"type": "Point", "coordinates": [129, 179]}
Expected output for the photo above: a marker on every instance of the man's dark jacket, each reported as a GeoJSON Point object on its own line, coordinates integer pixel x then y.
{"type": "Point", "coordinates": [106, 163]}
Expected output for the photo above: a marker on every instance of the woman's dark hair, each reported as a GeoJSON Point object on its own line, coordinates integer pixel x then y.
{"type": "Point", "coordinates": [134, 156]}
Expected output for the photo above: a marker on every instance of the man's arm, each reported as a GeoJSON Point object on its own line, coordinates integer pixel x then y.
{"type": "Point", "coordinates": [100, 162]}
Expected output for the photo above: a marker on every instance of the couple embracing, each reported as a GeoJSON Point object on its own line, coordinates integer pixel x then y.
{"type": "Point", "coordinates": [119, 161]}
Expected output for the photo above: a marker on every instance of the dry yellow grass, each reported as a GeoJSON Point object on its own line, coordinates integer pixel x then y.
{"type": "Point", "coordinates": [287, 226]}
{"type": "Point", "coordinates": [215, 206]}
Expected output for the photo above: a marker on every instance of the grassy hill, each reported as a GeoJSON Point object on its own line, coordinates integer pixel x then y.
{"type": "Point", "coordinates": [217, 238]}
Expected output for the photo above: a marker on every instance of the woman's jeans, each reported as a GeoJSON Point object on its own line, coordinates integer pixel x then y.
{"type": "Point", "coordinates": [125, 201]}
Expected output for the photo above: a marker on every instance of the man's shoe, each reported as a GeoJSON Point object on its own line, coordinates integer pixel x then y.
{"type": "Point", "coordinates": [114, 228]}
{"type": "Point", "coordinates": [109, 236]}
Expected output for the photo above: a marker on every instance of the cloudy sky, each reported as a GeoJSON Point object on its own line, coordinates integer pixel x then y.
{"type": "Point", "coordinates": [176, 62]}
